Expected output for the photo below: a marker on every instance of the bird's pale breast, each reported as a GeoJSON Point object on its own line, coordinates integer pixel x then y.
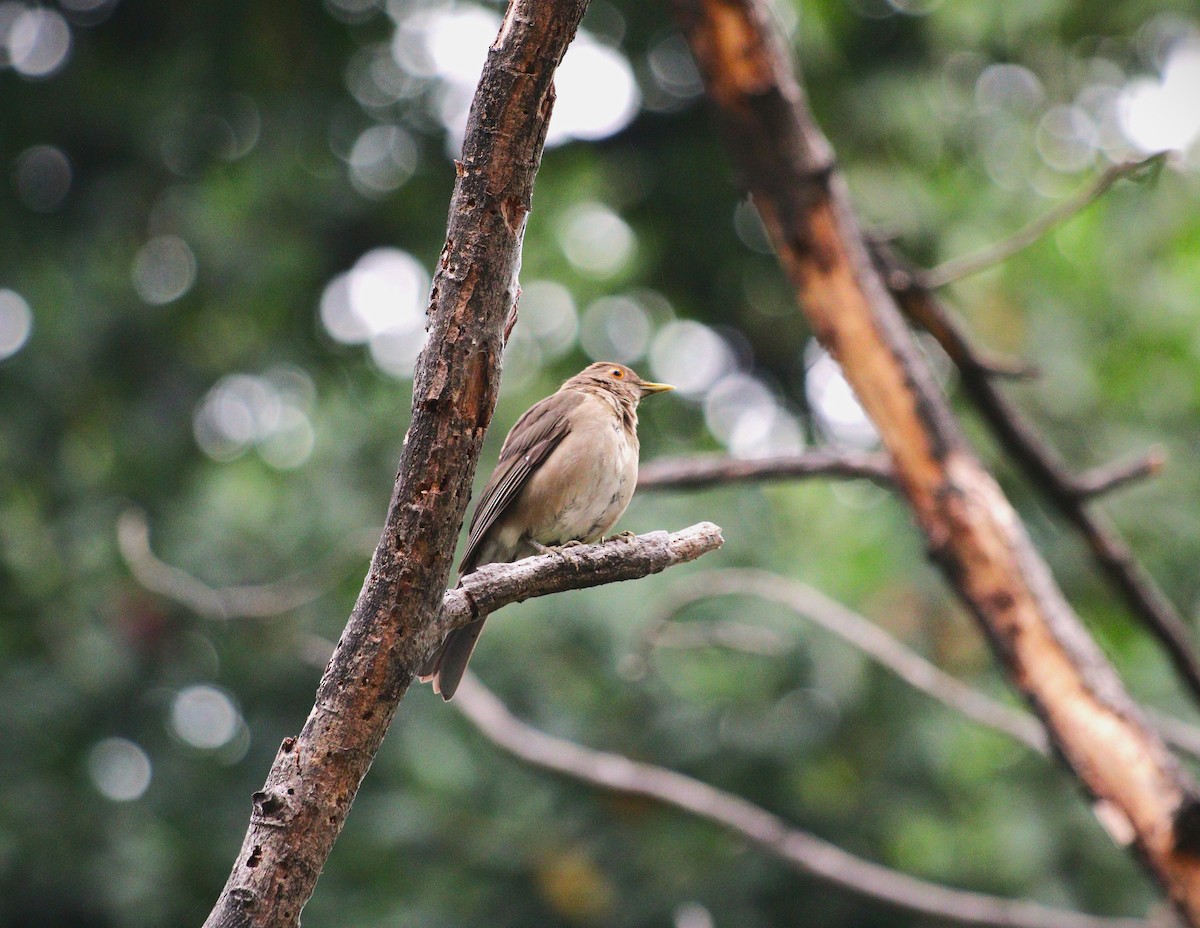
{"type": "Point", "coordinates": [584, 486]}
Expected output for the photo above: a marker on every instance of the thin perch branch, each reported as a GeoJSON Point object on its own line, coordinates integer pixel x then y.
{"type": "Point", "coordinates": [958, 268]}
{"type": "Point", "coordinates": [801, 850]}
{"type": "Point", "coordinates": [718, 470]}
{"type": "Point", "coordinates": [486, 590]}
{"type": "Point", "coordinates": [625, 557]}
{"type": "Point", "coordinates": [731, 636]}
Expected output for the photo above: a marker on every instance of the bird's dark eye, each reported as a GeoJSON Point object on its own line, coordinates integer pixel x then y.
{"type": "Point", "coordinates": [617, 372]}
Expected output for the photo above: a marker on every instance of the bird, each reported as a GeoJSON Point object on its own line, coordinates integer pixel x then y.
{"type": "Point", "coordinates": [566, 473]}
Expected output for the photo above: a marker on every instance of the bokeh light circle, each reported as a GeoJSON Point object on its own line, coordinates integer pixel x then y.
{"type": "Point", "coordinates": [42, 177]}
{"type": "Point", "coordinates": [596, 241]}
{"type": "Point", "coordinates": [16, 323]}
{"type": "Point", "coordinates": [164, 269]}
{"type": "Point", "coordinates": [204, 717]}
{"type": "Point", "coordinates": [38, 42]}
{"type": "Point", "coordinates": [689, 355]}
{"type": "Point", "coordinates": [120, 770]}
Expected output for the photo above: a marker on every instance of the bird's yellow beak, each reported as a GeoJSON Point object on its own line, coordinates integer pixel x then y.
{"type": "Point", "coordinates": [649, 388]}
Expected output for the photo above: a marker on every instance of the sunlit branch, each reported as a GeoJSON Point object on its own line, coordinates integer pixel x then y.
{"type": "Point", "coordinates": [1042, 463]}
{"type": "Point", "coordinates": [700, 471]}
{"type": "Point", "coordinates": [801, 850]}
{"type": "Point", "coordinates": [958, 268]}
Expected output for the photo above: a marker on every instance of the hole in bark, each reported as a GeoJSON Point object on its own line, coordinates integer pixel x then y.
{"type": "Point", "coordinates": [255, 857]}
{"type": "Point", "coordinates": [367, 715]}
{"type": "Point", "coordinates": [267, 803]}
{"type": "Point", "coordinates": [1187, 827]}
{"type": "Point", "coordinates": [291, 792]}
{"type": "Point", "coordinates": [288, 744]}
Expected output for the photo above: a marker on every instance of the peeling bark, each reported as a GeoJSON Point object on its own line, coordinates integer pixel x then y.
{"type": "Point", "coordinates": [300, 810]}
{"type": "Point", "coordinates": [972, 531]}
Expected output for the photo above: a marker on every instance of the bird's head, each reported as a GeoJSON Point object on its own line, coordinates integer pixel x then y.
{"type": "Point", "coordinates": [621, 381]}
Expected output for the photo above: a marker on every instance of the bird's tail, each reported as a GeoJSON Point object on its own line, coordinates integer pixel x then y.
{"type": "Point", "coordinates": [446, 666]}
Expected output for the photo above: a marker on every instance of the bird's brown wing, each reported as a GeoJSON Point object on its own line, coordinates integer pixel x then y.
{"type": "Point", "coordinates": [530, 442]}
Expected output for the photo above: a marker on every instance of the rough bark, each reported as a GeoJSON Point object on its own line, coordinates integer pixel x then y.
{"type": "Point", "coordinates": [972, 531]}
{"type": "Point", "coordinates": [301, 808]}
{"type": "Point", "coordinates": [625, 557]}
{"type": "Point", "coordinates": [1069, 494]}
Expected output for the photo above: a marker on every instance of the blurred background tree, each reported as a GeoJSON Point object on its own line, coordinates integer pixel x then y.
{"type": "Point", "coordinates": [217, 224]}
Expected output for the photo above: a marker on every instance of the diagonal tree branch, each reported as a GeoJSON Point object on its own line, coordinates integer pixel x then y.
{"type": "Point", "coordinates": [701, 471]}
{"type": "Point", "coordinates": [1034, 455]}
{"type": "Point", "coordinates": [863, 634]}
{"type": "Point", "coordinates": [803, 851]}
{"type": "Point", "coordinates": [300, 810]}
{"type": "Point", "coordinates": [972, 530]}
{"type": "Point", "coordinates": [868, 637]}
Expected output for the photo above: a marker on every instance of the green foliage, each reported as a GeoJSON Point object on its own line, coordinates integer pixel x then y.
{"type": "Point", "coordinates": [219, 136]}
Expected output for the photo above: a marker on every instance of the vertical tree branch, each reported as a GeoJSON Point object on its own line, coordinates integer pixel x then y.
{"type": "Point", "coordinates": [300, 810]}
{"type": "Point", "coordinates": [972, 530]}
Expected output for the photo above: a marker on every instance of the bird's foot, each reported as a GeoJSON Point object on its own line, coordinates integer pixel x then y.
{"type": "Point", "coordinates": [623, 536]}
{"type": "Point", "coordinates": [553, 549]}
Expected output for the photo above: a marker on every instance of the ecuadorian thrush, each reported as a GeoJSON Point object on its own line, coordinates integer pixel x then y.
{"type": "Point", "coordinates": [566, 473]}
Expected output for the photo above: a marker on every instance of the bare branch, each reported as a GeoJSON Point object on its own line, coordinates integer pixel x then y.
{"type": "Point", "coordinates": [863, 634]}
{"type": "Point", "coordinates": [958, 268]}
{"type": "Point", "coordinates": [253, 601]}
{"type": "Point", "coordinates": [732, 636]}
{"type": "Point", "coordinates": [1103, 480]}
{"type": "Point", "coordinates": [803, 851]}
{"type": "Point", "coordinates": [866, 636]}
{"type": "Point", "coordinates": [712, 470]}
{"type": "Point", "coordinates": [625, 557]}
{"type": "Point", "coordinates": [494, 586]}
{"type": "Point", "coordinates": [1042, 463]}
